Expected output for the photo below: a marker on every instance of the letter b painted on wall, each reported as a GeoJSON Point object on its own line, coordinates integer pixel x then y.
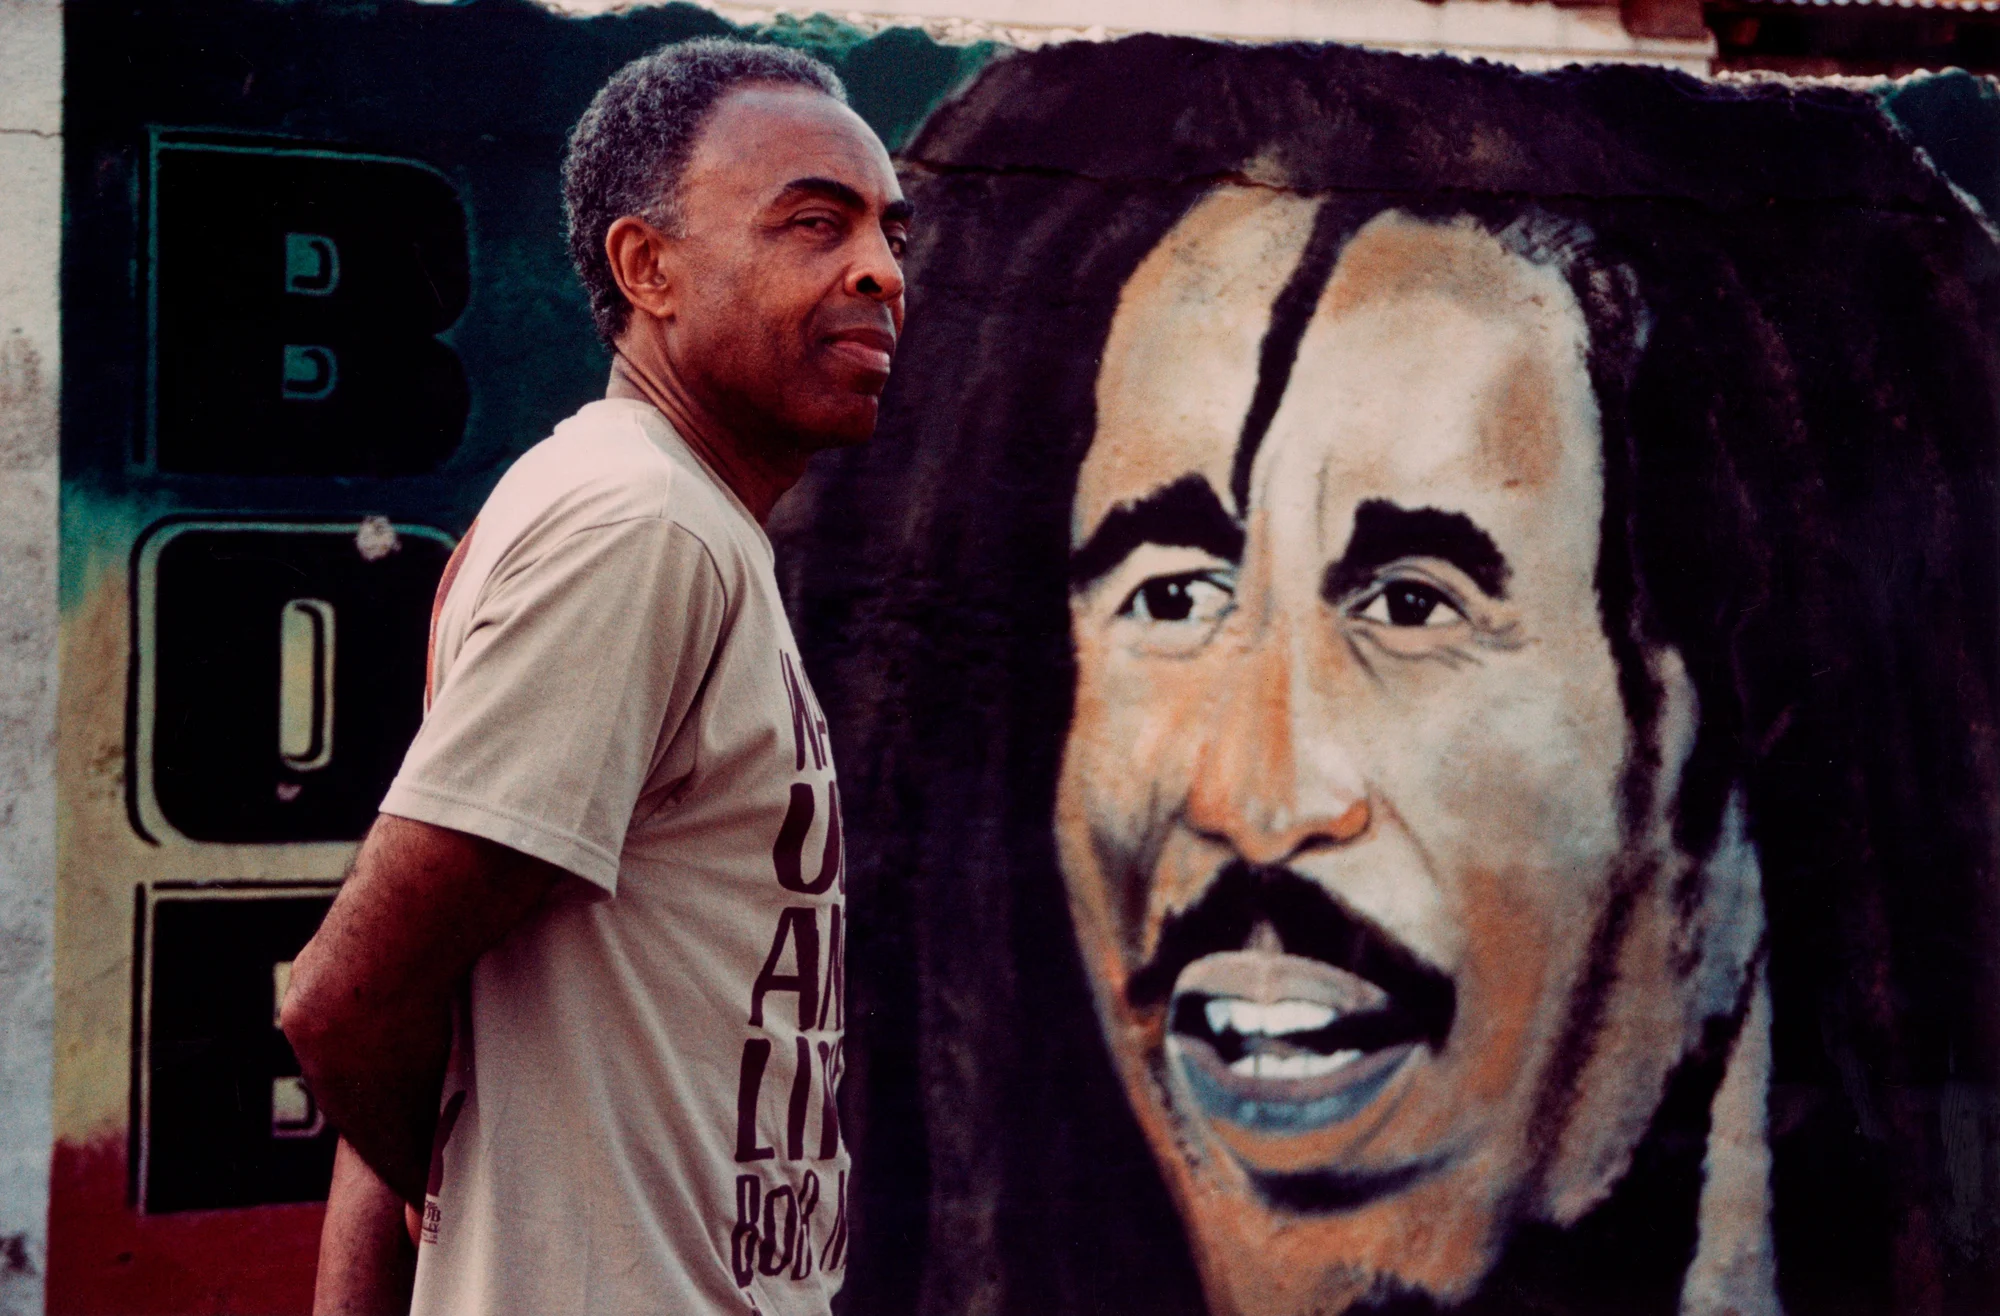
{"type": "Point", "coordinates": [297, 294]}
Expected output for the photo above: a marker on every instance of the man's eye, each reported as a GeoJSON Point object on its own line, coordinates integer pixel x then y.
{"type": "Point", "coordinates": [1193, 597]}
{"type": "Point", "coordinates": [1409, 603]}
{"type": "Point", "coordinates": [898, 245]}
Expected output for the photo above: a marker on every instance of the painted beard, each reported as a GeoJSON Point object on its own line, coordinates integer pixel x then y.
{"type": "Point", "coordinates": [1281, 1013]}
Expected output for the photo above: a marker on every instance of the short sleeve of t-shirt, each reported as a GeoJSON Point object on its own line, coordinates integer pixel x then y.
{"type": "Point", "coordinates": [576, 670]}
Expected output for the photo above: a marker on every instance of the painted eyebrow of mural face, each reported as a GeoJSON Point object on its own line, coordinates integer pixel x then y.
{"type": "Point", "coordinates": [1188, 514]}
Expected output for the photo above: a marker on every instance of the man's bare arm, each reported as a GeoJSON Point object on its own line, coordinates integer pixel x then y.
{"type": "Point", "coordinates": [367, 1263]}
{"type": "Point", "coordinates": [369, 1010]}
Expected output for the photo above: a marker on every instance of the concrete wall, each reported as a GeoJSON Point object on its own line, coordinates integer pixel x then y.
{"type": "Point", "coordinates": [30, 230]}
{"type": "Point", "coordinates": [1534, 35]}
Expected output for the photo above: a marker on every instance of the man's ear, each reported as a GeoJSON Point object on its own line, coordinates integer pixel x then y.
{"type": "Point", "coordinates": [643, 261]}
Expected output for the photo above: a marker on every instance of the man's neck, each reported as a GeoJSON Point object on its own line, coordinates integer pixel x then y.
{"type": "Point", "coordinates": [758, 477]}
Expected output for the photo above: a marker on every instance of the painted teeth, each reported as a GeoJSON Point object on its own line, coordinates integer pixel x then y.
{"type": "Point", "coordinates": [1297, 1065]}
{"type": "Point", "coordinates": [1256, 1019]}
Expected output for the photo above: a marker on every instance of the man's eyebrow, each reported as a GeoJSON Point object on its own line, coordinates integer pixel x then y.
{"type": "Point", "coordinates": [832, 189]}
{"type": "Point", "coordinates": [1184, 514]}
{"type": "Point", "coordinates": [1385, 533]}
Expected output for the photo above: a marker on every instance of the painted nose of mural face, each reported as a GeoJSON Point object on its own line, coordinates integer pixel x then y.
{"type": "Point", "coordinates": [1285, 1026]}
{"type": "Point", "coordinates": [1264, 784]}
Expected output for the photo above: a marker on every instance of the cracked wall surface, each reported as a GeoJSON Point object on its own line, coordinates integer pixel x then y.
{"type": "Point", "coordinates": [1534, 36]}
{"type": "Point", "coordinates": [30, 226]}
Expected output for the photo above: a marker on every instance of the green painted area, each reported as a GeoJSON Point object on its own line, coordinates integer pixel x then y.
{"type": "Point", "coordinates": [483, 92]}
{"type": "Point", "coordinates": [895, 77]}
{"type": "Point", "coordinates": [1955, 117]}
{"type": "Point", "coordinates": [98, 532]}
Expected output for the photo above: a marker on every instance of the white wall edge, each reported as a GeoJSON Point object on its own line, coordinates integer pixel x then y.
{"type": "Point", "coordinates": [1538, 35]}
{"type": "Point", "coordinates": [30, 246]}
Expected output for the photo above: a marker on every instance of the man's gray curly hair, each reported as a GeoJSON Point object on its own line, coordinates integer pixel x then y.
{"type": "Point", "coordinates": [630, 149]}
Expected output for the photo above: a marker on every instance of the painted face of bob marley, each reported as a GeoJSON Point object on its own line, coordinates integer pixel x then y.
{"type": "Point", "coordinates": [1381, 930]}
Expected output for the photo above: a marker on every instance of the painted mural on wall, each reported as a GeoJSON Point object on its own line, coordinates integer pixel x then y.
{"type": "Point", "coordinates": [1415, 649]}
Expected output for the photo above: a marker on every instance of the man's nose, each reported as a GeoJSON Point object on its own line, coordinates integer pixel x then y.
{"type": "Point", "coordinates": [1265, 784]}
{"type": "Point", "coordinates": [876, 275]}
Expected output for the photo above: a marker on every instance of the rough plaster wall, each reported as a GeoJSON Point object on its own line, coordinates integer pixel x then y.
{"type": "Point", "coordinates": [30, 234]}
{"type": "Point", "coordinates": [1534, 35]}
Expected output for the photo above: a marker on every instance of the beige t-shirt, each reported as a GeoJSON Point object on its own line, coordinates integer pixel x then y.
{"type": "Point", "coordinates": [639, 1115]}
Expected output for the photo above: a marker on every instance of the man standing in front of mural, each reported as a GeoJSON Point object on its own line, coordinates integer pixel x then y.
{"type": "Point", "coordinates": [580, 1001]}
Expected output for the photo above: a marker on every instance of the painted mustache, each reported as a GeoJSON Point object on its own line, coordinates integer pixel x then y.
{"type": "Point", "coordinates": [1417, 1001]}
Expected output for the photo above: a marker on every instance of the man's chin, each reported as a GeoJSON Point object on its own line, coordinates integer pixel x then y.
{"type": "Point", "coordinates": [844, 422]}
{"type": "Point", "coordinates": [1280, 1232]}
{"type": "Point", "coordinates": [1400, 1253]}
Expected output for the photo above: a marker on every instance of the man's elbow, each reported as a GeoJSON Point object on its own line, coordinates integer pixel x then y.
{"type": "Point", "coordinates": [308, 1016]}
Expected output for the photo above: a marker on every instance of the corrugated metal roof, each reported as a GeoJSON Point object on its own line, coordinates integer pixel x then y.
{"type": "Point", "coordinates": [1955, 6]}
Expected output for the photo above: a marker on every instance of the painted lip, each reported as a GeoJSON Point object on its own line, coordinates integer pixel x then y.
{"type": "Point", "coordinates": [1285, 1106]}
{"type": "Point", "coordinates": [867, 346]}
{"type": "Point", "coordinates": [1286, 1012]}
{"type": "Point", "coordinates": [1283, 1044]}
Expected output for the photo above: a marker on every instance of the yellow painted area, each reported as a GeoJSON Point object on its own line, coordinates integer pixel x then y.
{"type": "Point", "coordinates": [101, 860]}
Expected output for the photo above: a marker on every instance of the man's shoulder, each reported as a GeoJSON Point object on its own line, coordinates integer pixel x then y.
{"type": "Point", "coordinates": [614, 461]}
{"type": "Point", "coordinates": [598, 467]}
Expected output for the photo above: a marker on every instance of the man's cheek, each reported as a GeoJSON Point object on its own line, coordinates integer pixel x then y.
{"type": "Point", "coordinates": [1135, 728]}
{"type": "Point", "coordinates": [1520, 779]}
{"type": "Point", "coordinates": [1098, 810]}
{"type": "Point", "coordinates": [1512, 997]}
{"type": "Point", "coordinates": [1520, 817]}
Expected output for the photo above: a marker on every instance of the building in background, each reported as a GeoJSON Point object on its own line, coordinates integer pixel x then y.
{"type": "Point", "coordinates": [1856, 38]}
{"type": "Point", "coordinates": [1804, 38]}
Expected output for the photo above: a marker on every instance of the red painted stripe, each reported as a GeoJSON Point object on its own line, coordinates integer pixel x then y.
{"type": "Point", "coordinates": [105, 1259]}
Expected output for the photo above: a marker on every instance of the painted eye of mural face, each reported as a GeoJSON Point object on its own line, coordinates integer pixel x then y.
{"type": "Point", "coordinates": [1160, 599]}
{"type": "Point", "coordinates": [1195, 597]}
{"type": "Point", "coordinates": [1408, 602]}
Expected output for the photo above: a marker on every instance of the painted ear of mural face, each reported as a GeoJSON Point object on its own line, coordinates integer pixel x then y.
{"type": "Point", "coordinates": [1409, 588]}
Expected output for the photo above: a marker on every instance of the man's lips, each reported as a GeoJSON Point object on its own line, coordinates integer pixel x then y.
{"type": "Point", "coordinates": [866, 346]}
{"type": "Point", "coordinates": [1279, 1043]}
{"type": "Point", "coordinates": [1286, 1013]}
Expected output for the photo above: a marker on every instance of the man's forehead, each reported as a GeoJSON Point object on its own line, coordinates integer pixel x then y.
{"type": "Point", "coordinates": [1440, 367]}
{"type": "Point", "coordinates": [1176, 386]}
{"type": "Point", "coordinates": [762, 136]}
{"type": "Point", "coordinates": [1180, 363]}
